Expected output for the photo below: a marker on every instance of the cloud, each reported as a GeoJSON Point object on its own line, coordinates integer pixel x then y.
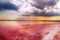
{"type": "Point", "coordinates": [7, 6]}
{"type": "Point", "coordinates": [35, 13]}
{"type": "Point", "coordinates": [41, 4]}
{"type": "Point", "coordinates": [26, 6]}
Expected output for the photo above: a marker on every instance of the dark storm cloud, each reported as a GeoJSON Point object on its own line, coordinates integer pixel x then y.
{"type": "Point", "coordinates": [45, 14]}
{"type": "Point", "coordinates": [8, 6]}
{"type": "Point", "coordinates": [43, 3]}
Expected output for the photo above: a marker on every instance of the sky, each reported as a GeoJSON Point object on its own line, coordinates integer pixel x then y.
{"type": "Point", "coordinates": [16, 8]}
{"type": "Point", "coordinates": [15, 4]}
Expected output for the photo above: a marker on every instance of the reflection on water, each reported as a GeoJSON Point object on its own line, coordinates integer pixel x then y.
{"type": "Point", "coordinates": [31, 30]}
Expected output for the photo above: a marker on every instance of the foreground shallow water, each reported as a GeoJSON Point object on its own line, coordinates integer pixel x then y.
{"type": "Point", "coordinates": [29, 30]}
